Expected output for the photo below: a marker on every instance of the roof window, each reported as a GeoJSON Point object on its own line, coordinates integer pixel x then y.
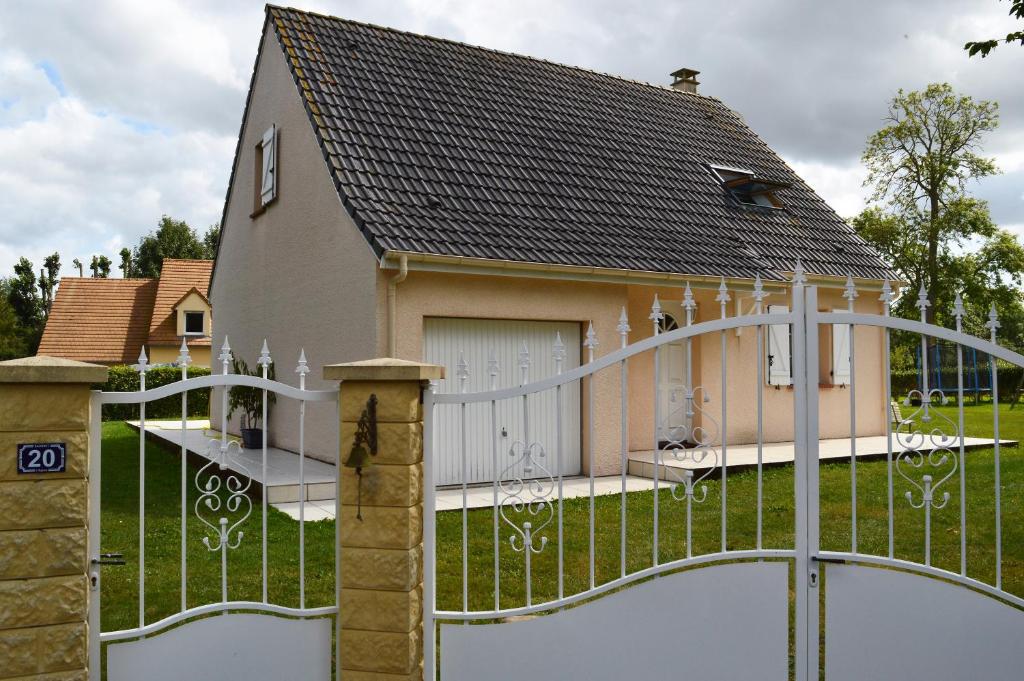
{"type": "Point", "coordinates": [748, 189]}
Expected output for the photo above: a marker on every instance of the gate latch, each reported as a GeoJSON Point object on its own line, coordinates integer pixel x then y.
{"type": "Point", "coordinates": [109, 559]}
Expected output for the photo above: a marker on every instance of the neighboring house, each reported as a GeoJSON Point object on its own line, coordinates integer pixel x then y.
{"type": "Point", "coordinates": [400, 195]}
{"type": "Point", "coordinates": [108, 321]}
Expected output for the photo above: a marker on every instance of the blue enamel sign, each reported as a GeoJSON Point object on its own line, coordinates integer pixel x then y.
{"type": "Point", "coordinates": [42, 457]}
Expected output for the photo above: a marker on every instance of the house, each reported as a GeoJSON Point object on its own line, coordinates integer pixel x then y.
{"type": "Point", "coordinates": [399, 195]}
{"type": "Point", "coordinates": [108, 321]}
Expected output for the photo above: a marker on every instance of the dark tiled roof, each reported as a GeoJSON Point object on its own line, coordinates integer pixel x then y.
{"type": "Point", "coordinates": [443, 148]}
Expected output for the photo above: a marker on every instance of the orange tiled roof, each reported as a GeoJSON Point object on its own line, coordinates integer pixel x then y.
{"type": "Point", "coordinates": [177, 278]}
{"type": "Point", "coordinates": [99, 320]}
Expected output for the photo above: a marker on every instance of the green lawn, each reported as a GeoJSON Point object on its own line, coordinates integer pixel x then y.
{"type": "Point", "coordinates": [120, 531]}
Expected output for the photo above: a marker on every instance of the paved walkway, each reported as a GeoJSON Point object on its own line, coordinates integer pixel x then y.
{"type": "Point", "coordinates": [641, 463]}
{"type": "Point", "coordinates": [283, 468]}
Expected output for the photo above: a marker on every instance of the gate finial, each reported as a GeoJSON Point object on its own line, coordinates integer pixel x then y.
{"type": "Point", "coordinates": [225, 354]}
{"type": "Point", "coordinates": [688, 303]}
{"type": "Point", "coordinates": [184, 359]}
{"type": "Point", "coordinates": [799, 273]}
{"type": "Point", "coordinates": [302, 369]}
{"type": "Point", "coordinates": [849, 292]}
{"type": "Point", "coordinates": [993, 321]}
{"type": "Point", "coordinates": [723, 296]}
{"type": "Point", "coordinates": [558, 352]}
{"type": "Point", "coordinates": [462, 372]}
{"type": "Point", "coordinates": [143, 365]}
{"type": "Point", "coordinates": [886, 296]}
{"type": "Point", "coordinates": [958, 310]}
{"type": "Point", "coordinates": [524, 362]}
{"type": "Point", "coordinates": [264, 360]}
{"type": "Point", "coordinates": [591, 342]}
{"type": "Point", "coordinates": [922, 301]}
{"type": "Point", "coordinates": [623, 327]}
{"type": "Point", "coordinates": [759, 293]}
{"type": "Point", "coordinates": [656, 314]}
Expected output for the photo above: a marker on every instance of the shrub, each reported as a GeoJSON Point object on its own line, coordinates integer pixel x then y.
{"type": "Point", "coordinates": [123, 378]}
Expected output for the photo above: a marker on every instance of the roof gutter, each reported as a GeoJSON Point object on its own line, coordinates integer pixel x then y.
{"type": "Point", "coordinates": [403, 260]}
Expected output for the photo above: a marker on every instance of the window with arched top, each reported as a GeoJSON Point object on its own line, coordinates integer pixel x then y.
{"type": "Point", "coordinates": [667, 323]}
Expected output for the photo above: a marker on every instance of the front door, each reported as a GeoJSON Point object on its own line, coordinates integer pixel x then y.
{"type": "Point", "coordinates": [673, 411]}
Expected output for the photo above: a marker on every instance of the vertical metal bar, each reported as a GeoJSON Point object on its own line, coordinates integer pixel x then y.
{"type": "Point", "coordinates": [184, 490]}
{"type": "Point", "coordinates": [657, 446]}
{"type": "Point", "coordinates": [337, 542]}
{"type": "Point", "coordinates": [853, 439]}
{"type": "Point", "coordinates": [465, 508]}
{"type": "Point", "coordinates": [958, 309]}
{"type": "Point", "coordinates": [624, 456]}
{"type": "Point", "coordinates": [429, 543]}
{"type": "Point", "coordinates": [558, 462]}
{"type": "Point", "coordinates": [760, 432]}
{"type": "Point", "coordinates": [689, 508]}
{"type": "Point", "coordinates": [263, 495]}
{"type": "Point", "coordinates": [494, 489]}
{"type": "Point", "coordinates": [805, 409]}
{"type": "Point", "coordinates": [95, 466]}
{"type": "Point", "coordinates": [302, 500]}
{"type": "Point", "coordinates": [885, 298]}
{"type": "Point", "coordinates": [142, 500]}
{"type": "Point", "coordinates": [995, 446]}
{"type": "Point", "coordinates": [927, 520]}
{"type": "Point", "coordinates": [225, 358]}
{"type": "Point", "coordinates": [725, 450]}
{"type": "Point", "coordinates": [590, 466]}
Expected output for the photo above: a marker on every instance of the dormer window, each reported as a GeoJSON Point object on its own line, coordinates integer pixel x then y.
{"type": "Point", "coordinates": [748, 189]}
{"type": "Point", "coordinates": [195, 323]}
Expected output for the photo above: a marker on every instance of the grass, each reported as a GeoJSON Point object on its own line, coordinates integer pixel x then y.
{"type": "Point", "coordinates": [120, 531]}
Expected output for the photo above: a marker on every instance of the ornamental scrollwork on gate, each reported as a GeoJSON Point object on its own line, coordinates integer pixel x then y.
{"type": "Point", "coordinates": [692, 446]}
{"type": "Point", "coordinates": [926, 429]}
{"type": "Point", "coordinates": [526, 496]}
{"type": "Point", "coordinates": [223, 471]}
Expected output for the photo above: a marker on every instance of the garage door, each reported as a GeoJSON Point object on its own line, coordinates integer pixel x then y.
{"type": "Point", "coordinates": [444, 338]}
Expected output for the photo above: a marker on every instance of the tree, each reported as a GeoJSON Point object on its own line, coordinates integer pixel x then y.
{"type": "Point", "coordinates": [210, 241]}
{"type": "Point", "coordinates": [78, 264]}
{"type": "Point", "coordinates": [172, 239]}
{"type": "Point", "coordinates": [126, 268]}
{"type": "Point", "coordinates": [920, 163]}
{"type": "Point", "coordinates": [48, 280]}
{"type": "Point", "coordinates": [23, 295]}
{"type": "Point", "coordinates": [983, 47]}
{"type": "Point", "coordinates": [100, 266]}
{"type": "Point", "coordinates": [12, 341]}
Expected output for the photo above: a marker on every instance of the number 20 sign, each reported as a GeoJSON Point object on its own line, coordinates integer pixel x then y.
{"type": "Point", "coordinates": [45, 457]}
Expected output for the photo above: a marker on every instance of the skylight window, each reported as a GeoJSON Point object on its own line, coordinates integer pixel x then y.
{"type": "Point", "coordinates": [748, 189]}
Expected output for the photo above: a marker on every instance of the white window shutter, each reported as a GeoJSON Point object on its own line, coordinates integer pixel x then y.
{"type": "Point", "coordinates": [778, 359]}
{"type": "Point", "coordinates": [268, 189]}
{"type": "Point", "coordinates": [840, 353]}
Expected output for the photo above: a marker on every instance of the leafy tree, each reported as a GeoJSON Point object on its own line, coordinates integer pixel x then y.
{"type": "Point", "coordinates": [172, 239]}
{"type": "Point", "coordinates": [12, 341]}
{"type": "Point", "coordinates": [983, 47]}
{"type": "Point", "coordinates": [920, 163]}
{"type": "Point", "coordinates": [78, 264]}
{"type": "Point", "coordinates": [48, 280]}
{"type": "Point", "coordinates": [23, 295]}
{"type": "Point", "coordinates": [126, 266]}
{"type": "Point", "coordinates": [100, 266]}
{"type": "Point", "coordinates": [210, 241]}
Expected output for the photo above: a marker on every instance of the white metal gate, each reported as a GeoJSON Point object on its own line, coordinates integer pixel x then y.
{"type": "Point", "coordinates": [257, 637]}
{"type": "Point", "coordinates": [549, 587]}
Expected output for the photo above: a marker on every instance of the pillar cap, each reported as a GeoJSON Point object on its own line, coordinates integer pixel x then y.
{"type": "Point", "coordinates": [44, 369]}
{"type": "Point", "coordinates": [383, 369]}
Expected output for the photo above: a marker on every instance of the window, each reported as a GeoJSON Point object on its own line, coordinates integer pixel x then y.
{"type": "Point", "coordinates": [195, 323]}
{"type": "Point", "coordinates": [779, 350]}
{"type": "Point", "coordinates": [748, 189]}
{"type": "Point", "coordinates": [265, 171]}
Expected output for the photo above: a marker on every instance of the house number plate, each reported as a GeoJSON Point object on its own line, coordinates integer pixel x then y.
{"type": "Point", "coordinates": [42, 457]}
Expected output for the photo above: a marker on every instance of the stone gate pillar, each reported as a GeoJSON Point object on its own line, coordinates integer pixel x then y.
{"type": "Point", "coordinates": [44, 506]}
{"type": "Point", "coordinates": [381, 592]}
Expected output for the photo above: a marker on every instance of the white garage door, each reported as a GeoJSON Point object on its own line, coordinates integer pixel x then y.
{"type": "Point", "coordinates": [444, 338]}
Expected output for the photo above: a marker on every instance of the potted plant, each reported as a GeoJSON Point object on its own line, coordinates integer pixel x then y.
{"type": "Point", "coordinates": [250, 402]}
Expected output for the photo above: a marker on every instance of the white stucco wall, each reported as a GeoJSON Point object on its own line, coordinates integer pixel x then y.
{"type": "Point", "coordinates": [300, 274]}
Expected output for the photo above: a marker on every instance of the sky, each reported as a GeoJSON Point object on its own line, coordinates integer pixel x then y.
{"type": "Point", "coordinates": [115, 112]}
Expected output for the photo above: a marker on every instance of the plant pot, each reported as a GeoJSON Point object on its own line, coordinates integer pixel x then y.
{"type": "Point", "coordinates": [252, 438]}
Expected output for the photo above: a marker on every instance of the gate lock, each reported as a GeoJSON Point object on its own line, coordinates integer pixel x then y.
{"type": "Point", "coordinates": [364, 445]}
{"type": "Point", "coordinates": [109, 559]}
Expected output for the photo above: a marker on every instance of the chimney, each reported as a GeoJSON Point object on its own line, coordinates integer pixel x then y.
{"type": "Point", "coordinates": [685, 80]}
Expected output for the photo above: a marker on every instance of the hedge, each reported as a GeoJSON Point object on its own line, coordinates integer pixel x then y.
{"type": "Point", "coordinates": [123, 378]}
{"type": "Point", "coordinates": [1010, 377]}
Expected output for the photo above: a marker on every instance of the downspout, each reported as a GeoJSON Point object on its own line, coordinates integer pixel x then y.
{"type": "Point", "coordinates": [393, 282]}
